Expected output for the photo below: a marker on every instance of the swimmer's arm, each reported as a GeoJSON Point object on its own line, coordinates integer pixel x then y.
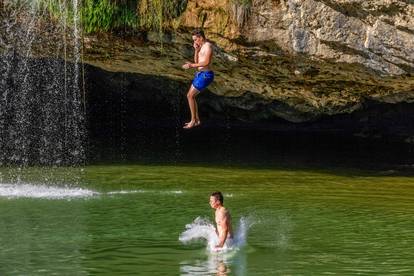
{"type": "Point", "coordinates": [224, 230]}
{"type": "Point", "coordinates": [188, 64]}
{"type": "Point", "coordinates": [197, 50]}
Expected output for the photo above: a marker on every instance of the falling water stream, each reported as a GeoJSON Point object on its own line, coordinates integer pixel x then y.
{"type": "Point", "coordinates": [41, 117]}
{"type": "Point", "coordinates": [42, 110]}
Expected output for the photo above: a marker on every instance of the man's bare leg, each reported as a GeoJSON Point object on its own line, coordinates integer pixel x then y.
{"type": "Point", "coordinates": [191, 95]}
{"type": "Point", "coordinates": [197, 119]}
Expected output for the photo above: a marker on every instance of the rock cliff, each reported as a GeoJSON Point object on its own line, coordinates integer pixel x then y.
{"type": "Point", "coordinates": [343, 67]}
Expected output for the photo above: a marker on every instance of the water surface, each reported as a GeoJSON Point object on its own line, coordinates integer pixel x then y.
{"type": "Point", "coordinates": [127, 220]}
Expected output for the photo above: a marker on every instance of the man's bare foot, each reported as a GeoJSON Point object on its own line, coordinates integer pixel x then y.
{"type": "Point", "coordinates": [198, 122]}
{"type": "Point", "coordinates": [191, 124]}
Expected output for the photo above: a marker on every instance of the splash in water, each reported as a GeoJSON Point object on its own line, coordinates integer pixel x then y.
{"type": "Point", "coordinates": [42, 191]}
{"type": "Point", "coordinates": [203, 229]}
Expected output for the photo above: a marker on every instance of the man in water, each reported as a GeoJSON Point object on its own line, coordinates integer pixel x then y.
{"type": "Point", "coordinates": [223, 220]}
{"type": "Point", "coordinates": [203, 53]}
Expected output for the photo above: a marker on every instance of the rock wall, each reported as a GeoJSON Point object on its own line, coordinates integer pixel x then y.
{"type": "Point", "coordinates": [291, 77]}
{"type": "Point", "coordinates": [296, 88]}
{"type": "Point", "coordinates": [378, 34]}
{"type": "Point", "coordinates": [304, 59]}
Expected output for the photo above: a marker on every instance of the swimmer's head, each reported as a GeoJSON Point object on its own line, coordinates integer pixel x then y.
{"type": "Point", "coordinates": [216, 199]}
{"type": "Point", "coordinates": [198, 36]}
{"type": "Point", "coordinates": [199, 33]}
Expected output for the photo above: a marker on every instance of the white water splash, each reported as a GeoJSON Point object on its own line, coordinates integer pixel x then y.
{"type": "Point", "coordinates": [200, 229]}
{"type": "Point", "coordinates": [203, 229]}
{"type": "Point", "coordinates": [177, 192]}
{"type": "Point", "coordinates": [43, 191]}
{"type": "Point", "coordinates": [123, 192]}
{"type": "Point", "coordinates": [145, 191]}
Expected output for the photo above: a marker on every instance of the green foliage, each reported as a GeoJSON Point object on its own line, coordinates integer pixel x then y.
{"type": "Point", "coordinates": [55, 8]}
{"type": "Point", "coordinates": [157, 14]}
{"type": "Point", "coordinates": [97, 15]}
{"type": "Point", "coordinates": [110, 15]}
{"type": "Point", "coordinates": [106, 15]}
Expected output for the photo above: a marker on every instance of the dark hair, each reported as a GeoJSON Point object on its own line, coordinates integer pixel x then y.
{"type": "Point", "coordinates": [219, 196]}
{"type": "Point", "coordinates": [199, 32]}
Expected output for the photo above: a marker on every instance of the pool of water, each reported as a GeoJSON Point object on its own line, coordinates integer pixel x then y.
{"type": "Point", "coordinates": [127, 219]}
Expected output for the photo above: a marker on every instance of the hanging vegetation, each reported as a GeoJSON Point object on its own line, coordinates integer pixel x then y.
{"type": "Point", "coordinates": [112, 15]}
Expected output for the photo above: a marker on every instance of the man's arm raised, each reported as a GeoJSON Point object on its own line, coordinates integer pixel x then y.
{"type": "Point", "coordinates": [196, 51]}
{"type": "Point", "coordinates": [205, 58]}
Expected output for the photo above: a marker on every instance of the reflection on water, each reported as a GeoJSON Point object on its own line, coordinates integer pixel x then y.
{"type": "Point", "coordinates": [229, 263]}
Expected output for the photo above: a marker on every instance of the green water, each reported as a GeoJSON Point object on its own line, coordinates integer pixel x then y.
{"type": "Point", "coordinates": [129, 218]}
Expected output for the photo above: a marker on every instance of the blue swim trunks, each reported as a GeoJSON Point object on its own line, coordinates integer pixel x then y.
{"type": "Point", "coordinates": [202, 79]}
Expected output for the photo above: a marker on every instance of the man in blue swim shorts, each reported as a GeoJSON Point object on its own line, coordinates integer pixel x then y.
{"type": "Point", "coordinates": [203, 77]}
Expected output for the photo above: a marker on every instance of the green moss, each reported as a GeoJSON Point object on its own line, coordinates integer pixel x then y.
{"type": "Point", "coordinates": [112, 15]}
{"type": "Point", "coordinates": [157, 14]}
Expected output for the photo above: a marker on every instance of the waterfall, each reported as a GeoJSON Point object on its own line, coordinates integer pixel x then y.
{"type": "Point", "coordinates": [41, 93]}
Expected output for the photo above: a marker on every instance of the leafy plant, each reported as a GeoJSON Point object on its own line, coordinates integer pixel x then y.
{"type": "Point", "coordinates": [159, 14]}
{"type": "Point", "coordinates": [97, 15]}
{"type": "Point", "coordinates": [110, 15]}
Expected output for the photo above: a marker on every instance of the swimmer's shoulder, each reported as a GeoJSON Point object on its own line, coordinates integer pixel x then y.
{"type": "Point", "coordinates": [225, 212]}
{"type": "Point", "coordinates": [208, 45]}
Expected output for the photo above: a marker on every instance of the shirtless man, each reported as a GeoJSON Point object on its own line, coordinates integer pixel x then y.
{"type": "Point", "coordinates": [223, 220]}
{"type": "Point", "coordinates": [203, 77]}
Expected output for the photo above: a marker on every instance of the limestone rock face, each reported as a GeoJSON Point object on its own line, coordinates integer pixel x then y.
{"type": "Point", "coordinates": [293, 59]}
{"type": "Point", "coordinates": [376, 33]}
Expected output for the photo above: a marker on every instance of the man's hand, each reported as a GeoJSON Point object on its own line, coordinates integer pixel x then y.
{"type": "Point", "coordinates": [196, 46]}
{"type": "Point", "coordinates": [187, 65]}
